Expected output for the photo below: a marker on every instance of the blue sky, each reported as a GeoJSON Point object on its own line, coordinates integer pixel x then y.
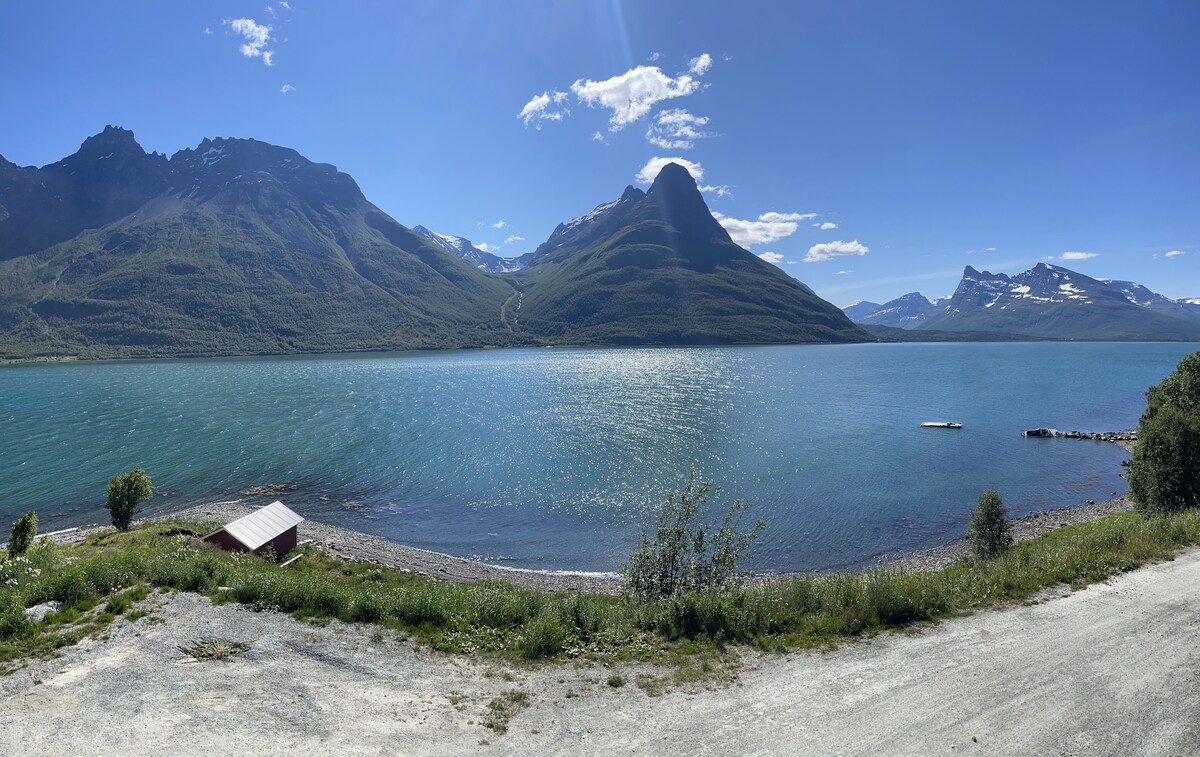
{"type": "Point", "coordinates": [874, 147]}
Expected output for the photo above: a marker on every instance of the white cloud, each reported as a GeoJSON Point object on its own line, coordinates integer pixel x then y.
{"type": "Point", "coordinates": [1174, 253]}
{"type": "Point", "coordinates": [1078, 255]}
{"type": "Point", "coordinates": [207, 30]}
{"type": "Point", "coordinates": [286, 88]}
{"type": "Point", "coordinates": [514, 238]}
{"type": "Point", "coordinates": [270, 10]}
{"type": "Point", "coordinates": [770, 227]}
{"type": "Point", "coordinates": [720, 190]}
{"type": "Point", "coordinates": [655, 164]}
{"type": "Point", "coordinates": [257, 37]}
{"type": "Point", "coordinates": [632, 94]}
{"type": "Point", "coordinates": [843, 273]}
{"type": "Point", "coordinates": [828, 225]}
{"type": "Point", "coordinates": [284, 4]}
{"type": "Point", "coordinates": [655, 56]}
{"type": "Point", "coordinates": [539, 109]}
{"type": "Point", "coordinates": [484, 247]}
{"type": "Point", "coordinates": [989, 249]}
{"type": "Point", "coordinates": [699, 65]}
{"type": "Point", "coordinates": [774, 217]}
{"type": "Point", "coordinates": [597, 137]}
{"type": "Point", "coordinates": [677, 129]}
{"type": "Point", "coordinates": [771, 257]}
{"type": "Point", "coordinates": [830, 250]}
{"type": "Point", "coordinates": [500, 224]}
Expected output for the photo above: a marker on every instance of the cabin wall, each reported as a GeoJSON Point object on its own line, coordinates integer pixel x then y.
{"type": "Point", "coordinates": [281, 544]}
{"type": "Point", "coordinates": [226, 542]}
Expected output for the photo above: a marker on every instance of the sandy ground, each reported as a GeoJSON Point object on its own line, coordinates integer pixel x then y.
{"type": "Point", "coordinates": [1110, 670]}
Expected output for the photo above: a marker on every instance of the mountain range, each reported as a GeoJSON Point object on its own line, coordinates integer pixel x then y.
{"type": "Point", "coordinates": [1046, 301]}
{"type": "Point", "coordinates": [242, 247]}
{"type": "Point", "coordinates": [462, 248]}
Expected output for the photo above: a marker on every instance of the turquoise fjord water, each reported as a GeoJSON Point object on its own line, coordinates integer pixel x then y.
{"type": "Point", "coordinates": [552, 458]}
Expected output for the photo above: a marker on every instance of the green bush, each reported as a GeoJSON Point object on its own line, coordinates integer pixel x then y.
{"type": "Point", "coordinates": [1164, 474]}
{"type": "Point", "coordinates": [989, 534]}
{"type": "Point", "coordinates": [23, 532]}
{"type": "Point", "coordinates": [125, 492]}
{"type": "Point", "coordinates": [686, 555]}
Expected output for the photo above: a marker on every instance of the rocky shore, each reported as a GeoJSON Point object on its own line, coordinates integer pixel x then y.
{"type": "Point", "coordinates": [354, 545]}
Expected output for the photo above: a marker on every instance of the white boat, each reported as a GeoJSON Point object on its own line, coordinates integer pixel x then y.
{"type": "Point", "coordinates": [940, 424]}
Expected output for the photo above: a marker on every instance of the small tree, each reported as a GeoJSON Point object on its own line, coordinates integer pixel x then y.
{"type": "Point", "coordinates": [1164, 474]}
{"type": "Point", "coordinates": [989, 534]}
{"type": "Point", "coordinates": [685, 554]}
{"type": "Point", "coordinates": [125, 492]}
{"type": "Point", "coordinates": [23, 532]}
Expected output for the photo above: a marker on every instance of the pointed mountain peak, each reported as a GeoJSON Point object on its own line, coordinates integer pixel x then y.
{"type": "Point", "coordinates": [970, 272]}
{"type": "Point", "coordinates": [673, 179]}
{"type": "Point", "coordinates": [632, 193]}
{"type": "Point", "coordinates": [112, 138]}
{"type": "Point", "coordinates": [681, 205]}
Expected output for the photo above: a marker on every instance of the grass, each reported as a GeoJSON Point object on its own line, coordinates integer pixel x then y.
{"type": "Point", "coordinates": [503, 708]}
{"type": "Point", "coordinates": [215, 649]}
{"type": "Point", "coordinates": [105, 576]}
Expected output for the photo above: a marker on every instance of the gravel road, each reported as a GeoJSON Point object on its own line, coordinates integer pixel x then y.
{"type": "Point", "coordinates": [1110, 670]}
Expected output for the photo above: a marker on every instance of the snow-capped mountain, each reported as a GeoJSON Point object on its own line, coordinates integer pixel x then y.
{"type": "Point", "coordinates": [1046, 301]}
{"type": "Point", "coordinates": [464, 249]}
{"type": "Point", "coordinates": [1140, 295]}
{"type": "Point", "coordinates": [1055, 302]}
{"type": "Point", "coordinates": [1192, 304]}
{"type": "Point", "coordinates": [856, 311]}
{"type": "Point", "coordinates": [909, 311]}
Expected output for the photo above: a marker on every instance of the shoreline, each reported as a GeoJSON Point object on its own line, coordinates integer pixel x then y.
{"type": "Point", "coordinates": [362, 547]}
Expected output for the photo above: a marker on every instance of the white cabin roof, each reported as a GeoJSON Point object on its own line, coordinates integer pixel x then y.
{"type": "Point", "coordinates": [261, 526]}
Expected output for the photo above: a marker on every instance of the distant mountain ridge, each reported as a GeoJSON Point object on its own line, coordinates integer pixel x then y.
{"type": "Point", "coordinates": [1046, 301]}
{"type": "Point", "coordinates": [242, 247]}
{"type": "Point", "coordinates": [905, 312]}
{"type": "Point", "coordinates": [462, 247]}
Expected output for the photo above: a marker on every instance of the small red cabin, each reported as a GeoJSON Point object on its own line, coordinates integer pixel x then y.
{"type": "Point", "coordinates": [273, 527]}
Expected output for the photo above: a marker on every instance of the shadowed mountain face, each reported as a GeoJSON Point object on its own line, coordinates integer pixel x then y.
{"type": "Point", "coordinates": [1054, 302]}
{"type": "Point", "coordinates": [655, 267]}
{"type": "Point", "coordinates": [234, 247]}
{"type": "Point", "coordinates": [109, 177]}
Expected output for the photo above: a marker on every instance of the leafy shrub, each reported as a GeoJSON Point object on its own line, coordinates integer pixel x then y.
{"type": "Point", "coordinates": [989, 534]}
{"type": "Point", "coordinates": [125, 492]}
{"type": "Point", "coordinates": [22, 534]}
{"type": "Point", "coordinates": [686, 555]}
{"type": "Point", "coordinates": [1164, 475]}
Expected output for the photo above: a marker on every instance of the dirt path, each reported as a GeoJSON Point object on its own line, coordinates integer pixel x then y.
{"type": "Point", "coordinates": [1110, 670]}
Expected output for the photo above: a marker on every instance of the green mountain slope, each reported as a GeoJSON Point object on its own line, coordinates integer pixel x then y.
{"type": "Point", "coordinates": [247, 249]}
{"type": "Point", "coordinates": [656, 268]}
